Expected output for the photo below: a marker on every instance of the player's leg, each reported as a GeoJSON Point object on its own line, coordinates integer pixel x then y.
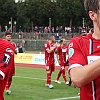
{"type": "Point", "coordinates": [58, 76]}
{"type": "Point", "coordinates": [48, 81]}
{"type": "Point", "coordinates": [64, 75]}
{"type": "Point", "coordinates": [8, 84]}
{"type": "Point", "coordinates": [52, 68]}
{"type": "Point", "coordinates": [48, 74]}
{"type": "Point", "coordinates": [48, 77]}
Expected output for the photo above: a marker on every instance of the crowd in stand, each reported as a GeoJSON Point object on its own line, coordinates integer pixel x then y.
{"type": "Point", "coordinates": [61, 29]}
{"type": "Point", "coordinates": [58, 31]}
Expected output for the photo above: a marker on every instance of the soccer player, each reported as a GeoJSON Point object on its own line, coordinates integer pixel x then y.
{"type": "Point", "coordinates": [12, 70]}
{"type": "Point", "coordinates": [84, 56]}
{"type": "Point", "coordinates": [61, 57]}
{"type": "Point", "coordinates": [49, 48]}
{"type": "Point", "coordinates": [6, 60]}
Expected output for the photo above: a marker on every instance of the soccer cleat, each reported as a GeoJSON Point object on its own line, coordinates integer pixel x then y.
{"type": "Point", "coordinates": [79, 93]}
{"type": "Point", "coordinates": [47, 85]}
{"type": "Point", "coordinates": [50, 86]}
{"type": "Point", "coordinates": [70, 82]}
{"type": "Point", "coordinates": [67, 83]}
{"type": "Point", "coordinates": [57, 81]}
{"type": "Point", "coordinates": [8, 92]}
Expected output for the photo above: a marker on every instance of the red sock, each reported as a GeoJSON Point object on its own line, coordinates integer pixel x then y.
{"type": "Point", "coordinates": [64, 76]}
{"type": "Point", "coordinates": [8, 83]}
{"type": "Point", "coordinates": [7, 86]}
{"type": "Point", "coordinates": [58, 76]}
{"type": "Point", "coordinates": [48, 78]}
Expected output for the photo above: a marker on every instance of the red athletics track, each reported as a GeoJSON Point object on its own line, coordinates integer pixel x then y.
{"type": "Point", "coordinates": [35, 66]}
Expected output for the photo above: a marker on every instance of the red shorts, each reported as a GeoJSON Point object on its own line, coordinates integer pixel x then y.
{"type": "Point", "coordinates": [50, 67]}
{"type": "Point", "coordinates": [62, 66]}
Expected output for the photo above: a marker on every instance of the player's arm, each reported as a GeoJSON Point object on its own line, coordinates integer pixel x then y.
{"type": "Point", "coordinates": [15, 51]}
{"type": "Point", "coordinates": [51, 49]}
{"type": "Point", "coordinates": [14, 45]}
{"type": "Point", "coordinates": [57, 56]}
{"type": "Point", "coordinates": [2, 75]}
{"type": "Point", "coordinates": [4, 65]}
{"type": "Point", "coordinates": [81, 75]}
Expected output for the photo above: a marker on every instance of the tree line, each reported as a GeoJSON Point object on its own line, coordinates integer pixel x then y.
{"type": "Point", "coordinates": [37, 13]}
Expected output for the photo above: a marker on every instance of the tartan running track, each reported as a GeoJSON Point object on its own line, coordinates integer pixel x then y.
{"type": "Point", "coordinates": [36, 66]}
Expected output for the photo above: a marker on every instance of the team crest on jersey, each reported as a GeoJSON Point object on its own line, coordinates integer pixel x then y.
{"type": "Point", "coordinates": [70, 52]}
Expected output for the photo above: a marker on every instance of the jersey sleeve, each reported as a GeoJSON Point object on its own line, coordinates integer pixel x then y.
{"type": "Point", "coordinates": [75, 55]}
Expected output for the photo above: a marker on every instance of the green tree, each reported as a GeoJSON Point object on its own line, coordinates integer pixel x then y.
{"type": "Point", "coordinates": [63, 12]}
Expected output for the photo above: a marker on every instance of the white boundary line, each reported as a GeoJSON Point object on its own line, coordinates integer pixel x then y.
{"type": "Point", "coordinates": [31, 78]}
{"type": "Point", "coordinates": [66, 98]}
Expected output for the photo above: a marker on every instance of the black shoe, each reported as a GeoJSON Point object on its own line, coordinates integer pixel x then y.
{"type": "Point", "coordinates": [70, 82]}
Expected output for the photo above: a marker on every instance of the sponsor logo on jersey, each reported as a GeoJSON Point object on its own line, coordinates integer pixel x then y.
{"type": "Point", "coordinates": [10, 51]}
{"type": "Point", "coordinates": [45, 45]}
{"type": "Point", "coordinates": [70, 45]}
{"type": "Point", "coordinates": [92, 59]}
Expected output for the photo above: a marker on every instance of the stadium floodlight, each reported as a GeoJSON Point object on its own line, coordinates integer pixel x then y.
{"type": "Point", "coordinates": [83, 22]}
{"type": "Point", "coordinates": [16, 1]}
{"type": "Point", "coordinates": [53, 0]}
{"type": "Point", "coordinates": [23, 0]}
{"type": "Point", "coordinates": [50, 23]}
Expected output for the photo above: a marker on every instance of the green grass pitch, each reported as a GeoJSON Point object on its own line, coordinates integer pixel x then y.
{"type": "Point", "coordinates": [29, 84]}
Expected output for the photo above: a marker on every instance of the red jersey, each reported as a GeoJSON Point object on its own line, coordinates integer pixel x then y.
{"type": "Point", "coordinates": [6, 58]}
{"type": "Point", "coordinates": [14, 44]}
{"type": "Point", "coordinates": [49, 57]}
{"type": "Point", "coordinates": [82, 51]}
{"type": "Point", "coordinates": [61, 51]}
{"type": "Point", "coordinates": [12, 71]}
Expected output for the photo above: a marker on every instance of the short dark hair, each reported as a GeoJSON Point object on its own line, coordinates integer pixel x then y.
{"type": "Point", "coordinates": [61, 40]}
{"type": "Point", "coordinates": [7, 33]}
{"type": "Point", "coordinates": [91, 5]}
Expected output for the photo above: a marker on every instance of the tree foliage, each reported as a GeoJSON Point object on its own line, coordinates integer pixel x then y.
{"type": "Point", "coordinates": [62, 12]}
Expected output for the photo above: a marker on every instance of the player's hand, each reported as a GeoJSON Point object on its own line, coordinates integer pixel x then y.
{"type": "Point", "coordinates": [55, 45]}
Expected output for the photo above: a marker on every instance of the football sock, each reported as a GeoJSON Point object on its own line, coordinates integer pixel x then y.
{"type": "Point", "coordinates": [7, 86]}
{"type": "Point", "coordinates": [8, 83]}
{"type": "Point", "coordinates": [64, 76]}
{"type": "Point", "coordinates": [48, 78]}
{"type": "Point", "coordinates": [58, 76]}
